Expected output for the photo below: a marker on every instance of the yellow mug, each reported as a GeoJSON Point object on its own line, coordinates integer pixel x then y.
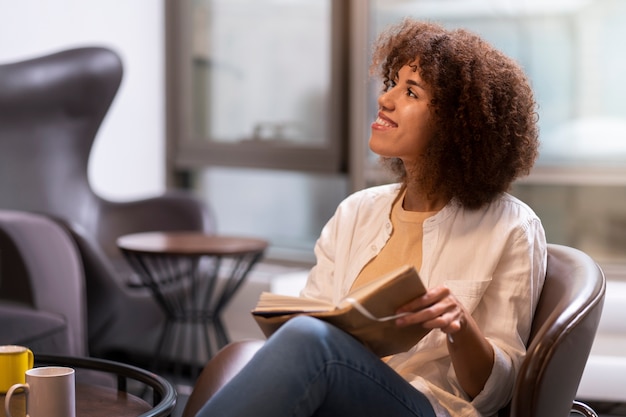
{"type": "Point", "coordinates": [14, 362]}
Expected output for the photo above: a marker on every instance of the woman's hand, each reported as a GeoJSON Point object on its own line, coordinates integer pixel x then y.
{"type": "Point", "coordinates": [471, 354]}
{"type": "Point", "coordinates": [438, 308]}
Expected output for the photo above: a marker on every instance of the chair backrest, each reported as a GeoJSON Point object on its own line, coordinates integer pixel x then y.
{"type": "Point", "coordinates": [51, 108]}
{"type": "Point", "coordinates": [564, 327]}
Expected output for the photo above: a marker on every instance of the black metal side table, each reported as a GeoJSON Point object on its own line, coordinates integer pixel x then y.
{"type": "Point", "coordinates": [192, 276]}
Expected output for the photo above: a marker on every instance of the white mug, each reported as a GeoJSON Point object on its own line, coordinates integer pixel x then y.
{"type": "Point", "coordinates": [50, 392]}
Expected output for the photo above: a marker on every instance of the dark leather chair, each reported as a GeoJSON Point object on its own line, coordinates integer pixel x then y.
{"type": "Point", "coordinates": [563, 330]}
{"type": "Point", "coordinates": [42, 286]}
{"type": "Point", "coordinates": [51, 108]}
{"type": "Point", "coordinates": [564, 327]}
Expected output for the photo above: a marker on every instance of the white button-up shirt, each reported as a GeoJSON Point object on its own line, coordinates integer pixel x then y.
{"type": "Point", "coordinates": [493, 260]}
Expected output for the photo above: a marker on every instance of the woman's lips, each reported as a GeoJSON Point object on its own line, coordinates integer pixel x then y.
{"type": "Point", "coordinates": [383, 122]}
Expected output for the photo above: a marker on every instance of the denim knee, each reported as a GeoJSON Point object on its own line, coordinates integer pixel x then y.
{"type": "Point", "coordinates": [307, 332]}
{"type": "Point", "coordinates": [314, 335]}
{"type": "Point", "coordinates": [303, 328]}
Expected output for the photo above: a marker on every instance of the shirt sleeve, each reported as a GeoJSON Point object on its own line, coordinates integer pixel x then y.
{"type": "Point", "coordinates": [512, 298]}
{"type": "Point", "coordinates": [319, 281]}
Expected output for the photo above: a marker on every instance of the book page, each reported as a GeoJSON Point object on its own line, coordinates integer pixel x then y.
{"type": "Point", "coordinates": [270, 303]}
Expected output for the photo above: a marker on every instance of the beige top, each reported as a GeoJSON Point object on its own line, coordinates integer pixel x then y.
{"type": "Point", "coordinates": [403, 247]}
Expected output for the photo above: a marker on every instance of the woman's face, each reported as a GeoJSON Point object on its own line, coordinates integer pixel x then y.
{"type": "Point", "coordinates": [404, 124]}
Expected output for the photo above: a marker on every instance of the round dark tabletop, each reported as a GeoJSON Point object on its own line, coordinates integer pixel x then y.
{"type": "Point", "coordinates": [95, 400]}
{"type": "Point", "coordinates": [189, 243]}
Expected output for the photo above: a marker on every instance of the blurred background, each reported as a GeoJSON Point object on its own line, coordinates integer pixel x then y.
{"type": "Point", "coordinates": [262, 107]}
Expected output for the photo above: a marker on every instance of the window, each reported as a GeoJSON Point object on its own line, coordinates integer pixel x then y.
{"type": "Point", "coordinates": [257, 83]}
{"type": "Point", "coordinates": [571, 51]}
{"type": "Point", "coordinates": [266, 97]}
{"type": "Point", "coordinates": [257, 113]}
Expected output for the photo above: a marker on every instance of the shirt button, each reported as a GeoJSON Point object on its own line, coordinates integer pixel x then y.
{"type": "Point", "coordinates": [373, 248]}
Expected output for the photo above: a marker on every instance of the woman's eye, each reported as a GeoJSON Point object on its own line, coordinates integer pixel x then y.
{"type": "Point", "coordinates": [390, 84]}
{"type": "Point", "coordinates": [410, 93]}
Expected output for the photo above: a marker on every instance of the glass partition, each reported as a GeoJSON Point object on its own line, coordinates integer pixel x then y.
{"type": "Point", "coordinates": [283, 86]}
{"type": "Point", "coordinates": [258, 83]}
{"type": "Point", "coordinates": [572, 53]}
{"type": "Point", "coordinates": [261, 70]}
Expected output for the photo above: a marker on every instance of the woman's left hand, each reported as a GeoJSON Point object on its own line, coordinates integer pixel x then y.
{"type": "Point", "coordinates": [472, 355]}
{"type": "Point", "coordinates": [438, 308]}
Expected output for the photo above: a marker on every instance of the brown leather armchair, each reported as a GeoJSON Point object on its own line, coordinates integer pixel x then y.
{"type": "Point", "coordinates": [563, 330]}
{"type": "Point", "coordinates": [51, 108]}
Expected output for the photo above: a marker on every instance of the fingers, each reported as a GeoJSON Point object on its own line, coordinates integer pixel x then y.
{"type": "Point", "coordinates": [438, 308]}
{"type": "Point", "coordinates": [431, 297]}
{"type": "Point", "coordinates": [453, 327]}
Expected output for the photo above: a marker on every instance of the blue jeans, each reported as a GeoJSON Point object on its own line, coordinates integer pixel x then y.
{"type": "Point", "coordinates": [311, 368]}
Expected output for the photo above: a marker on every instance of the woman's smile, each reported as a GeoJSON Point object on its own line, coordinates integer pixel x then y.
{"type": "Point", "coordinates": [382, 122]}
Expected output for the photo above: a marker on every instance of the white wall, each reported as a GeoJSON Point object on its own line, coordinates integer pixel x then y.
{"type": "Point", "coordinates": [128, 156]}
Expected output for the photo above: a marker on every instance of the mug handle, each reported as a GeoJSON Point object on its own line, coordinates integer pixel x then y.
{"type": "Point", "coordinates": [31, 358]}
{"type": "Point", "coordinates": [7, 399]}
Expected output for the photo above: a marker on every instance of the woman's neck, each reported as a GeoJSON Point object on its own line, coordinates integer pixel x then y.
{"type": "Point", "coordinates": [418, 201]}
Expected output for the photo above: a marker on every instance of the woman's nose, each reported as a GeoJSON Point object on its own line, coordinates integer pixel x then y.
{"type": "Point", "coordinates": [385, 100]}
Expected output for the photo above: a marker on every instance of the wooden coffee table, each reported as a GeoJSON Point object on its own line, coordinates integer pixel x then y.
{"type": "Point", "coordinates": [95, 400]}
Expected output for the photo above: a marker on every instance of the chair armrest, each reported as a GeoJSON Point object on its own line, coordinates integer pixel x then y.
{"type": "Point", "coordinates": [40, 330]}
{"type": "Point", "coordinates": [218, 371]}
{"type": "Point", "coordinates": [172, 210]}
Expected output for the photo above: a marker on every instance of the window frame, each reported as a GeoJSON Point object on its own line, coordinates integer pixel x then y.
{"type": "Point", "coordinates": [186, 151]}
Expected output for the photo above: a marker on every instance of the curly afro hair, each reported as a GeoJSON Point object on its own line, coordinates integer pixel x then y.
{"type": "Point", "coordinates": [482, 106]}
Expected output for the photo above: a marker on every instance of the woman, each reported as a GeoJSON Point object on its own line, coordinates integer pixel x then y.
{"type": "Point", "coordinates": [457, 124]}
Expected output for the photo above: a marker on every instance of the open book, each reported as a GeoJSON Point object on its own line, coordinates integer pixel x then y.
{"type": "Point", "coordinates": [368, 313]}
